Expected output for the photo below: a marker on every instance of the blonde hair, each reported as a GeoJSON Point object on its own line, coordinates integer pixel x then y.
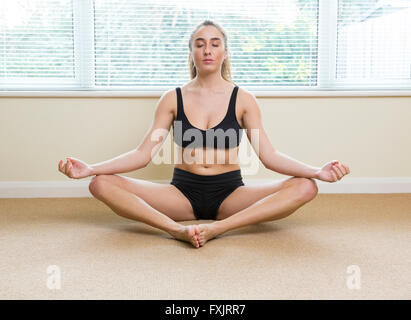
{"type": "Point", "coordinates": [226, 67]}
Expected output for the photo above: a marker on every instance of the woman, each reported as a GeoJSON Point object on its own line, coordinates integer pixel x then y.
{"type": "Point", "coordinates": [204, 189]}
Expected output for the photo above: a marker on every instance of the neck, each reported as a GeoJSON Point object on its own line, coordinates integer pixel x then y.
{"type": "Point", "coordinates": [209, 81]}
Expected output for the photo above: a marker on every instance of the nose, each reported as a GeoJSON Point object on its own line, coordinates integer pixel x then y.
{"type": "Point", "coordinates": [206, 50]}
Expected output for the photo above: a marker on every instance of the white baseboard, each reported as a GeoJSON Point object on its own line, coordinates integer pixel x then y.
{"type": "Point", "coordinates": [79, 188]}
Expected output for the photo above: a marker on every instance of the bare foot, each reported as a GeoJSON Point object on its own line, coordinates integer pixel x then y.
{"type": "Point", "coordinates": [188, 233]}
{"type": "Point", "coordinates": [208, 231]}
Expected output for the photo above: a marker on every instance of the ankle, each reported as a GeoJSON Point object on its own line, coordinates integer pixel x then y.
{"type": "Point", "coordinates": [175, 227]}
{"type": "Point", "coordinates": [219, 226]}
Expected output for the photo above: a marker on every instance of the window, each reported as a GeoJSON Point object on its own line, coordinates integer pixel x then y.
{"type": "Point", "coordinates": [36, 44]}
{"type": "Point", "coordinates": [111, 45]}
{"type": "Point", "coordinates": [373, 43]}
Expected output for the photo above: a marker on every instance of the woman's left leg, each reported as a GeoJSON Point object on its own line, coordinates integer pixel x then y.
{"type": "Point", "coordinates": [250, 205]}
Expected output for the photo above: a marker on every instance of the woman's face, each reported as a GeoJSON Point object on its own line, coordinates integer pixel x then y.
{"type": "Point", "coordinates": [208, 43]}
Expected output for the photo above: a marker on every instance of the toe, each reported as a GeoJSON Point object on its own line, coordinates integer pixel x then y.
{"type": "Point", "coordinates": [191, 232]}
{"type": "Point", "coordinates": [195, 240]}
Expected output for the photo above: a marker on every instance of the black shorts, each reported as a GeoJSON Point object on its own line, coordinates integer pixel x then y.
{"type": "Point", "coordinates": [205, 192]}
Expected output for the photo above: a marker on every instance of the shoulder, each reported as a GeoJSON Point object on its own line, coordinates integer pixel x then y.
{"type": "Point", "coordinates": [247, 101]}
{"type": "Point", "coordinates": [244, 95]}
{"type": "Point", "coordinates": [169, 95]}
{"type": "Point", "coordinates": [167, 102]}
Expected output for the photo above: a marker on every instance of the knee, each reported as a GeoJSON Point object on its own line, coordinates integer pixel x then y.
{"type": "Point", "coordinates": [97, 184]}
{"type": "Point", "coordinates": [307, 189]}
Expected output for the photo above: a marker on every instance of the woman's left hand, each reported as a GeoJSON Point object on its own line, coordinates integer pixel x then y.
{"type": "Point", "coordinates": [332, 171]}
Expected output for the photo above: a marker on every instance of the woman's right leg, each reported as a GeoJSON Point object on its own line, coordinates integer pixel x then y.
{"type": "Point", "coordinates": [158, 205]}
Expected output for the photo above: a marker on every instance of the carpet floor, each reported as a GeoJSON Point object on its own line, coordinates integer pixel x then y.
{"type": "Point", "coordinates": [338, 246]}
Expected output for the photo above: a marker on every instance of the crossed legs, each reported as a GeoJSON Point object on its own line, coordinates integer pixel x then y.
{"type": "Point", "coordinates": [161, 205]}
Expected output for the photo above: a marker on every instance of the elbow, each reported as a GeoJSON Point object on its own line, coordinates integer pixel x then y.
{"type": "Point", "coordinates": [141, 165]}
{"type": "Point", "coordinates": [265, 165]}
{"type": "Point", "coordinates": [142, 159]}
{"type": "Point", "coordinates": [145, 163]}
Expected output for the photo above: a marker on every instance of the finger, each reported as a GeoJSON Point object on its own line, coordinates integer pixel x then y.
{"type": "Point", "coordinates": [334, 175]}
{"type": "Point", "coordinates": [66, 167]}
{"type": "Point", "coordinates": [70, 167]}
{"type": "Point", "coordinates": [347, 170]}
{"type": "Point", "coordinates": [69, 172]}
{"type": "Point", "coordinates": [62, 167]}
{"type": "Point", "coordinates": [341, 169]}
{"type": "Point", "coordinates": [337, 171]}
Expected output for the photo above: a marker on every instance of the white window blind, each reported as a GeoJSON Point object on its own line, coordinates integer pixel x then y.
{"type": "Point", "coordinates": [36, 43]}
{"type": "Point", "coordinates": [103, 45]}
{"type": "Point", "coordinates": [374, 43]}
{"type": "Point", "coordinates": [146, 43]}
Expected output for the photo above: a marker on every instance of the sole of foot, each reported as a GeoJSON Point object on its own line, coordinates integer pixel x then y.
{"type": "Point", "coordinates": [208, 231]}
{"type": "Point", "coordinates": [189, 234]}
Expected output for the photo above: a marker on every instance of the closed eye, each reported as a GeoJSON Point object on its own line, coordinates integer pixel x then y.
{"type": "Point", "coordinates": [214, 45]}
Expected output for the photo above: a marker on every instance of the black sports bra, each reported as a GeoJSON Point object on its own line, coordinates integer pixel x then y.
{"type": "Point", "coordinates": [226, 135]}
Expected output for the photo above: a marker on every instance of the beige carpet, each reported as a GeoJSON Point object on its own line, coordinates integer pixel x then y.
{"type": "Point", "coordinates": [304, 256]}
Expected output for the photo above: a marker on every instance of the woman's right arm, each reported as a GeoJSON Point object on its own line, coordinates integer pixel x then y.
{"type": "Point", "coordinates": [136, 158]}
{"type": "Point", "coordinates": [142, 155]}
{"type": "Point", "coordinates": [125, 162]}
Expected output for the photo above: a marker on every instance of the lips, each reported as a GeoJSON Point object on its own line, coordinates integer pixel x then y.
{"type": "Point", "coordinates": [207, 60]}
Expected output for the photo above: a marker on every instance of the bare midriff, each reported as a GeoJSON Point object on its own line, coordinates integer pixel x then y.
{"type": "Point", "coordinates": [206, 161]}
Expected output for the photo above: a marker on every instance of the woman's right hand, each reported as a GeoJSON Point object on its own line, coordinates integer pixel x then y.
{"type": "Point", "coordinates": [75, 168]}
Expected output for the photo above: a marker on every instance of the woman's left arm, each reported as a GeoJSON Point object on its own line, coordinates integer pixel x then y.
{"type": "Point", "coordinates": [275, 160]}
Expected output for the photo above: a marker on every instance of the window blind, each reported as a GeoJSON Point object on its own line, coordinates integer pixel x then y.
{"type": "Point", "coordinates": [143, 45]}
{"type": "Point", "coordinates": [373, 43]}
{"type": "Point", "coordinates": [36, 43]}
